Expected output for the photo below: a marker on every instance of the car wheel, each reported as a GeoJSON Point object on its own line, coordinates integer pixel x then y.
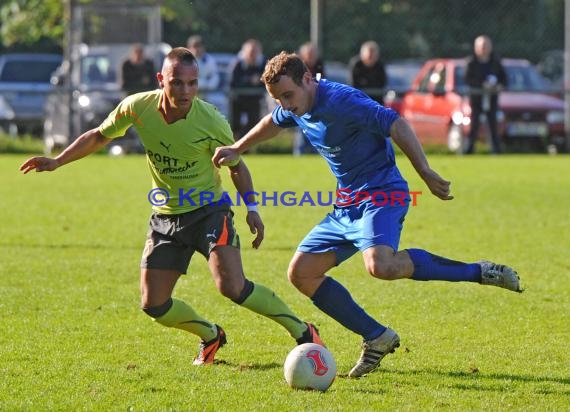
{"type": "Point", "coordinates": [455, 139]}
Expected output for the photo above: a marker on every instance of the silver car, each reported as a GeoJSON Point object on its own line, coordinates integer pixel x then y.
{"type": "Point", "coordinates": [86, 91]}
{"type": "Point", "coordinates": [24, 87]}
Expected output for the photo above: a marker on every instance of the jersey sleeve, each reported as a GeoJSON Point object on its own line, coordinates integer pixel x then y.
{"type": "Point", "coordinates": [381, 118]}
{"type": "Point", "coordinates": [282, 117]}
{"type": "Point", "coordinates": [373, 116]}
{"type": "Point", "coordinates": [119, 120]}
{"type": "Point", "coordinates": [359, 111]}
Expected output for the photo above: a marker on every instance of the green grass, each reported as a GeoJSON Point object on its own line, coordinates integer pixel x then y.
{"type": "Point", "coordinates": [72, 336]}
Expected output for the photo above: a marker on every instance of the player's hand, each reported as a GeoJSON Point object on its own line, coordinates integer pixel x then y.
{"type": "Point", "coordinates": [225, 156]}
{"type": "Point", "coordinates": [39, 164]}
{"type": "Point", "coordinates": [437, 185]}
{"type": "Point", "coordinates": [256, 227]}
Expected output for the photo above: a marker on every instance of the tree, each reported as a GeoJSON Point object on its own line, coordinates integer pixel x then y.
{"type": "Point", "coordinates": [32, 22]}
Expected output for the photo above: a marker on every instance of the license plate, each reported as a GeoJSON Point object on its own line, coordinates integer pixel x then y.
{"type": "Point", "coordinates": [527, 129]}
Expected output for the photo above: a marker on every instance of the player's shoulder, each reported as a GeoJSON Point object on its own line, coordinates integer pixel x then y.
{"type": "Point", "coordinates": [142, 98]}
{"type": "Point", "coordinates": [340, 94]}
{"type": "Point", "coordinates": [207, 109]}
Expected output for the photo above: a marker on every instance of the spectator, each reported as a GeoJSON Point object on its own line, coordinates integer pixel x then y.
{"type": "Point", "coordinates": [208, 76]}
{"type": "Point", "coordinates": [368, 72]}
{"type": "Point", "coordinates": [309, 53]}
{"type": "Point", "coordinates": [247, 88]}
{"type": "Point", "coordinates": [138, 73]}
{"type": "Point", "coordinates": [486, 77]}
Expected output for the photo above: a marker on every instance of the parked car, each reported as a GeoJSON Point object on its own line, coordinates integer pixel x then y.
{"type": "Point", "coordinates": [7, 115]}
{"type": "Point", "coordinates": [86, 91]}
{"type": "Point", "coordinates": [438, 107]}
{"type": "Point", "coordinates": [400, 75]}
{"type": "Point", "coordinates": [337, 72]}
{"type": "Point", "coordinates": [551, 66]}
{"type": "Point", "coordinates": [24, 86]}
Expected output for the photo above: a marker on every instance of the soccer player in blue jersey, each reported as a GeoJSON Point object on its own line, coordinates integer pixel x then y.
{"type": "Point", "coordinates": [352, 132]}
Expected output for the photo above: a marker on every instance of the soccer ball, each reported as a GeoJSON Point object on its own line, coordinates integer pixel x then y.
{"type": "Point", "coordinates": [310, 366]}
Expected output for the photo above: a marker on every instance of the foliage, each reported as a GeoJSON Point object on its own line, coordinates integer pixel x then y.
{"type": "Point", "coordinates": [20, 144]}
{"type": "Point", "coordinates": [404, 28]}
{"type": "Point", "coordinates": [30, 22]}
{"type": "Point", "coordinates": [72, 336]}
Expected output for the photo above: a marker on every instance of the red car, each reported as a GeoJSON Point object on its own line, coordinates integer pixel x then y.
{"type": "Point", "coordinates": [438, 107]}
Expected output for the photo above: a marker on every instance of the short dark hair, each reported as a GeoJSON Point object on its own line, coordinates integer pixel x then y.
{"type": "Point", "coordinates": [181, 54]}
{"type": "Point", "coordinates": [284, 64]}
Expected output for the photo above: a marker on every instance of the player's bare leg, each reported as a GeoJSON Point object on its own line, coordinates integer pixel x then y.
{"type": "Point", "coordinates": [226, 267]}
{"type": "Point", "coordinates": [307, 273]}
{"type": "Point", "coordinates": [307, 270]}
{"type": "Point", "coordinates": [383, 262]}
{"type": "Point", "coordinates": [157, 286]}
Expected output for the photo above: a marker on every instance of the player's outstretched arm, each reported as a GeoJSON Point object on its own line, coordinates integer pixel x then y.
{"type": "Point", "coordinates": [265, 129]}
{"type": "Point", "coordinates": [405, 137]}
{"type": "Point", "coordinates": [87, 143]}
{"type": "Point", "coordinates": [242, 181]}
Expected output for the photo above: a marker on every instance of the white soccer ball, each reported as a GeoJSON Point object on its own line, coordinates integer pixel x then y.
{"type": "Point", "coordinates": [310, 366]}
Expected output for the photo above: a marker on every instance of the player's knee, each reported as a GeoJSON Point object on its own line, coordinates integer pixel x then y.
{"type": "Point", "coordinates": [229, 291]}
{"type": "Point", "coordinates": [245, 292]}
{"type": "Point", "coordinates": [156, 312]}
{"type": "Point", "coordinates": [383, 270]}
{"type": "Point", "coordinates": [229, 288]}
{"type": "Point", "coordinates": [295, 275]}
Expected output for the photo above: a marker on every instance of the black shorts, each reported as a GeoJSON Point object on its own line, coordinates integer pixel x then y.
{"type": "Point", "coordinates": [173, 239]}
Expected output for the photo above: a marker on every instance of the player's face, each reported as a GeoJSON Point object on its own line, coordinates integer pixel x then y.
{"type": "Point", "coordinates": [180, 84]}
{"type": "Point", "coordinates": [292, 97]}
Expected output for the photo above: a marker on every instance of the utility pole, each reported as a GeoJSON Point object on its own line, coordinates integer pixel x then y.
{"type": "Point", "coordinates": [316, 23]}
{"type": "Point", "coordinates": [567, 73]}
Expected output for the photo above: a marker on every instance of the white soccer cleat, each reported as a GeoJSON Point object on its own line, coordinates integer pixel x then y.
{"type": "Point", "coordinates": [499, 275]}
{"type": "Point", "coordinates": [373, 351]}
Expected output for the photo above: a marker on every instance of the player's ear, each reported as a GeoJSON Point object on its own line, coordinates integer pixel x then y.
{"type": "Point", "coordinates": [160, 79]}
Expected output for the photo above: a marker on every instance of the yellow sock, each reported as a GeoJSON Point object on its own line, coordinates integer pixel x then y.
{"type": "Point", "coordinates": [182, 316]}
{"type": "Point", "coordinates": [265, 302]}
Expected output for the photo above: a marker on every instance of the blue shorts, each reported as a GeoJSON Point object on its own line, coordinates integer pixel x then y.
{"type": "Point", "coordinates": [349, 229]}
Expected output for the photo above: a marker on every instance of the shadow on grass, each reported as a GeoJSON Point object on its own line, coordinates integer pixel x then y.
{"type": "Point", "coordinates": [249, 366]}
{"type": "Point", "coordinates": [495, 382]}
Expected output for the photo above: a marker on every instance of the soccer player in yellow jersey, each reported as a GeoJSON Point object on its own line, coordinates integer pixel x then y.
{"type": "Point", "coordinates": [180, 133]}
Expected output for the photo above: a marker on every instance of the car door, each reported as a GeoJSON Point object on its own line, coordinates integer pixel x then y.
{"type": "Point", "coordinates": [415, 102]}
{"type": "Point", "coordinates": [443, 102]}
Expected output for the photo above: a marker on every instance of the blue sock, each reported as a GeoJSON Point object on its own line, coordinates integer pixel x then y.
{"type": "Point", "coordinates": [432, 267]}
{"type": "Point", "coordinates": [333, 299]}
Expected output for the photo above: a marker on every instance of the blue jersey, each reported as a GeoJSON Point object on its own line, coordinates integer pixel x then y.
{"type": "Point", "coordinates": [352, 132]}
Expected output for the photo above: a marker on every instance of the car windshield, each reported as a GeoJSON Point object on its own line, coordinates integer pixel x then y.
{"type": "Point", "coordinates": [97, 70]}
{"type": "Point", "coordinates": [27, 71]}
{"type": "Point", "coordinates": [525, 78]}
{"type": "Point", "coordinates": [401, 76]}
{"type": "Point", "coordinates": [519, 77]}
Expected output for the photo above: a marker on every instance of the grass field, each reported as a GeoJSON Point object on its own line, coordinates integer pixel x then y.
{"type": "Point", "coordinates": [73, 338]}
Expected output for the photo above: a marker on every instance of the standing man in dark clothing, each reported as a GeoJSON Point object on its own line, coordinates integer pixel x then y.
{"type": "Point", "coordinates": [247, 88]}
{"type": "Point", "coordinates": [138, 73]}
{"type": "Point", "coordinates": [486, 77]}
{"type": "Point", "coordinates": [309, 53]}
{"type": "Point", "coordinates": [368, 71]}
